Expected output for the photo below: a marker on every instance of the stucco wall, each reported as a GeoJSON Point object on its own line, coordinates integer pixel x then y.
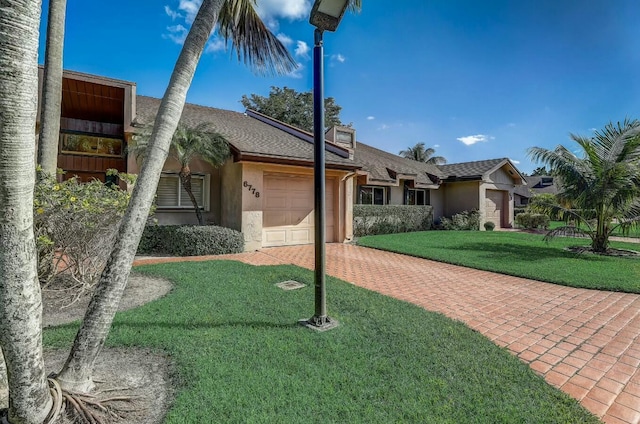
{"type": "Point", "coordinates": [460, 196]}
{"type": "Point", "coordinates": [231, 195]}
{"type": "Point", "coordinates": [396, 195]}
{"type": "Point", "coordinates": [436, 199]}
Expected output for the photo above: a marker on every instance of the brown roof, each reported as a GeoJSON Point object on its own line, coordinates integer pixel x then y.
{"type": "Point", "coordinates": [251, 138]}
{"type": "Point", "coordinates": [470, 169]}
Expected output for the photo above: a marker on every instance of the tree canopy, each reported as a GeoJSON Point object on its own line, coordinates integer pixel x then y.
{"type": "Point", "coordinates": [421, 153]}
{"type": "Point", "coordinates": [293, 107]}
{"type": "Point", "coordinates": [540, 171]}
{"type": "Point", "coordinates": [602, 186]}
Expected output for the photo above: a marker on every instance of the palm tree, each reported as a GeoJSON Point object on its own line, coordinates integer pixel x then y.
{"type": "Point", "coordinates": [421, 154]}
{"type": "Point", "coordinates": [602, 186]}
{"type": "Point", "coordinates": [21, 310]}
{"type": "Point", "coordinates": [257, 47]}
{"type": "Point", "coordinates": [52, 89]}
{"type": "Point", "coordinates": [186, 143]}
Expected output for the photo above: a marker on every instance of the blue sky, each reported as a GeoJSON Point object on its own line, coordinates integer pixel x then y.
{"type": "Point", "coordinates": [474, 79]}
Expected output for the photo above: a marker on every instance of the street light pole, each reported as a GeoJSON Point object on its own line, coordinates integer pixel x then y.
{"type": "Point", "coordinates": [325, 15]}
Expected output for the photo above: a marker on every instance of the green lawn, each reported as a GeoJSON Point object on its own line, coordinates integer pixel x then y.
{"type": "Point", "coordinates": [242, 358]}
{"type": "Point", "coordinates": [520, 254]}
{"type": "Point", "coordinates": [633, 232]}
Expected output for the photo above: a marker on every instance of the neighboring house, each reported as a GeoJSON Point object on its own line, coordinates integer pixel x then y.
{"type": "Point", "coordinates": [266, 189]}
{"type": "Point", "coordinates": [535, 185]}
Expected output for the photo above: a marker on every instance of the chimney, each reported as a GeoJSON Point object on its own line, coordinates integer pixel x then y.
{"type": "Point", "coordinates": [344, 137]}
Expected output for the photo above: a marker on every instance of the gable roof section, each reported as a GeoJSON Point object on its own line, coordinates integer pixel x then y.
{"type": "Point", "coordinates": [478, 170]}
{"type": "Point", "coordinates": [251, 139]}
{"type": "Point", "coordinates": [386, 168]}
{"type": "Point", "coordinates": [535, 185]}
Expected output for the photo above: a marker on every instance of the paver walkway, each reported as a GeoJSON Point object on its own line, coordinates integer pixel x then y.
{"type": "Point", "coordinates": [585, 342]}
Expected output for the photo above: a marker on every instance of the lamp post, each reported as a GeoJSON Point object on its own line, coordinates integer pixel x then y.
{"type": "Point", "coordinates": [325, 16]}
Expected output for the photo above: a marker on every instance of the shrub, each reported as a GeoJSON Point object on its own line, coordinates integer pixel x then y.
{"type": "Point", "coordinates": [489, 226]}
{"type": "Point", "coordinates": [387, 219]}
{"type": "Point", "coordinates": [467, 220]}
{"type": "Point", "coordinates": [517, 211]}
{"type": "Point", "coordinates": [75, 225]}
{"type": "Point", "coordinates": [532, 221]}
{"type": "Point", "coordinates": [190, 240]}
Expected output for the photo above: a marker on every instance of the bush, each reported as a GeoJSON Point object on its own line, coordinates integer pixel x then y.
{"type": "Point", "coordinates": [190, 240]}
{"type": "Point", "coordinates": [467, 220]}
{"type": "Point", "coordinates": [531, 221]}
{"type": "Point", "coordinates": [75, 225]}
{"type": "Point", "coordinates": [489, 226]}
{"type": "Point", "coordinates": [518, 211]}
{"type": "Point", "coordinates": [387, 219]}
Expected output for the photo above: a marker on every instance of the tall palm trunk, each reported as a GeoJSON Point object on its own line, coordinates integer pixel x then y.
{"type": "Point", "coordinates": [20, 298]}
{"type": "Point", "coordinates": [52, 89]}
{"type": "Point", "coordinates": [185, 179]}
{"type": "Point", "coordinates": [76, 373]}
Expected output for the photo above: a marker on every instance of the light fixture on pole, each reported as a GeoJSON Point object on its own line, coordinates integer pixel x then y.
{"type": "Point", "coordinates": [325, 16]}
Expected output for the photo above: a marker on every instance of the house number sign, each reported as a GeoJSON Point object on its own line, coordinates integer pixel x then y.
{"type": "Point", "coordinates": [251, 188]}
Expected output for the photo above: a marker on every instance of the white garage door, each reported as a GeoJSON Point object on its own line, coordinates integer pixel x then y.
{"type": "Point", "coordinates": [494, 207]}
{"type": "Point", "coordinates": [287, 217]}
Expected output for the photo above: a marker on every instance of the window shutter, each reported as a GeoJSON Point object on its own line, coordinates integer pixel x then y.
{"type": "Point", "coordinates": [197, 188]}
{"type": "Point", "coordinates": [167, 191]}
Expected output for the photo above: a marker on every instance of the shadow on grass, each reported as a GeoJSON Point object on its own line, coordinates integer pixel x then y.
{"type": "Point", "coordinates": [505, 251]}
{"type": "Point", "coordinates": [204, 325]}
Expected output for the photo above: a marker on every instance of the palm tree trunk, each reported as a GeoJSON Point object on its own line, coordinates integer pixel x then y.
{"type": "Point", "coordinates": [20, 298]}
{"type": "Point", "coordinates": [185, 179]}
{"type": "Point", "coordinates": [76, 373]}
{"type": "Point", "coordinates": [52, 89]}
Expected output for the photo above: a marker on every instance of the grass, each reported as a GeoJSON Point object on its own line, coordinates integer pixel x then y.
{"type": "Point", "coordinates": [519, 254]}
{"type": "Point", "coordinates": [242, 357]}
{"type": "Point", "coordinates": [633, 232]}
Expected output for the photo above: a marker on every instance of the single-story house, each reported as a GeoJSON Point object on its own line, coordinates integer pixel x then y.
{"type": "Point", "coordinates": [265, 189]}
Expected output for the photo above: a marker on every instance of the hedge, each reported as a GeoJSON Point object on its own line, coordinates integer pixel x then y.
{"type": "Point", "coordinates": [190, 240]}
{"type": "Point", "coordinates": [387, 219]}
{"type": "Point", "coordinates": [532, 221]}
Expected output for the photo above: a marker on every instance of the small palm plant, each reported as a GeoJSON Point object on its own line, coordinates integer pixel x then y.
{"type": "Point", "coordinates": [599, 190]}
{"type": "Point", "coordinates": [187, 143]}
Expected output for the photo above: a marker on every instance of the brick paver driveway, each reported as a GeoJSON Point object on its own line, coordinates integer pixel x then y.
{"type": "Point", "coordinates": [586, 342]}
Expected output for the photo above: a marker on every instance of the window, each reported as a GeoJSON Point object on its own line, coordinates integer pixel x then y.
{"type": "Point", "coordinates": [372, 195]}
{"type": "Point", "coordinates": [171, 194]}
{"type": "Point", "coordinates": [417, 197]}
{"type": "Point", "coordinates": [84, 144]}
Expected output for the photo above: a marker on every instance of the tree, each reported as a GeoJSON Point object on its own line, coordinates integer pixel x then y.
{"type": "Point", "coordinates": [52, 89]}
{"type": "Point", "coordinates": [422, 154]}
{"type": "Point", "coordinates": [186, 143]}
{"type": "Point", "coordinates": [257, 47]}
{"type": "Point", "coordinates": [602, 186]}
{"type": "Point", "coordinates": [292, 107]}
{"type": "Point", "coordinates": [20, 298]}
{"type": "Point", "coordinates": [540, 171]}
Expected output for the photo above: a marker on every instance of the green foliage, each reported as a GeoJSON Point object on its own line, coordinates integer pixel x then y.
{"type": "Point", "coordinates": [542, 203]}
{"type": "Point", "coordinates": [540, 171]}
{"type": "Point", "coordinates": [292, 107]}
{"type": "Point", "coordinates": [233, 337]}
{"type": "Point", "coordinates": [604, 180]}
{"type": "Point", "coordinates": [531, 221]}
{"type": "Point", "coordinates": [520, 254]}
{"type": "Point", "coordinates": [76, 223]}
{"type": "Point", "coordinates": [517, 211]}
{"type": "Point", "coordinates": [489, 226]}
{"type": "Point", "coordinates": [190, 240]}
{"type": "Point", "coordinates": [467, 221]}
{"type": "Point", "coordinates": [421, 154]}
{"type": "Point", "coordinates": [386, 219]}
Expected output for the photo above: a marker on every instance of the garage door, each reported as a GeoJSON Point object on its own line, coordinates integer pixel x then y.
{"type": "Point", "coordinates": [494, 206]}
{"type": "Point", "coordinates": [287, 216]}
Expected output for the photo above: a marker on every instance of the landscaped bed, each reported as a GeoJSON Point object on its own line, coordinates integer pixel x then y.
{"type": "Point", "coordinates": [241, 356]}
{"type": "Point", "coordinates": [520, 254]}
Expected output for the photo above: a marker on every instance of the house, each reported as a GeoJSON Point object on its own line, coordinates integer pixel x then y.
{"type": "Point", "coordinates": [537, 184]}
{"type": "Point", "coordinates": [266, 189]}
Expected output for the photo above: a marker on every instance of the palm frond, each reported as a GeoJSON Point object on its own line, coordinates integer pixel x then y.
{"type": "Point", "coordinates": [566, 231]}
{"type": "Point", "coordinates": [255, 44]}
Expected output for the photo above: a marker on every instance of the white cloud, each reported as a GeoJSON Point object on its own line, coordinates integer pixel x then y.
{"type": "Point", "coordinates": [284, 39]}
{"type": "Point", "coordinates": [370, 118]}
{"type": "Point", "coordinates": [172, 13]}
{"type": "Point", "coordinates": [302, 49]}
{"type": "Point", "coordinates": [190, 9]}
{"type": "Point", "coordinates": [516, 162]}
{"type": "Point", "coordinates": [435, 146]}
{"type": "Point", "coordinates": [297, 73]}
{"type": "Point", "coordinates": [473, 139]}
{"type": "Point", "coordinates": [338, 57]}
{"type": "Point", "coordinates": [511, 125]}
{"type": "Point", "coordinates": [593, 129]}
{"type": "Point", "coordinates": [177, 33]}
{"type": "Point", "coordinates": [215, 45]}
{"type": "Point", "coordinates": [383, 127]}
{"type": "Point", "coordinates": [287, 9]}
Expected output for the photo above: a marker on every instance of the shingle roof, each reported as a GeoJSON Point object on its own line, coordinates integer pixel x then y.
{"type": "Point", "coordinates": [378, 163]}
{"type": "Point", "coordinates": [470, 169]}
{"type": "Point", "coordinates": [535, 186]}
{"type": "Point", "coordinates": [249, 136]}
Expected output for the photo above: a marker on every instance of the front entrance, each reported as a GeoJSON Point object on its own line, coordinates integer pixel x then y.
{"type": "Point", "coordinates": [494, 207]}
